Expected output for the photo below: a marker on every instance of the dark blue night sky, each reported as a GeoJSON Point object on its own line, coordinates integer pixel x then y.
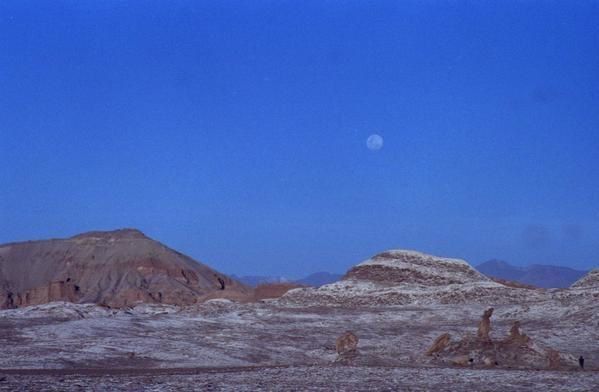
{"type": "Point", "coordinates": [236, 131]}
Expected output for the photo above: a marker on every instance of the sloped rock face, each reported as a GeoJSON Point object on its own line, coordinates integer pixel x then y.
{"type": "Point", "coordinates": [53, 291]}
{"type": "Point", "coordinates": [511, 283]}
{"type": "Point", "coordinates": [114, 268]}
{"type": "Point", "coordinates": [589, 281]}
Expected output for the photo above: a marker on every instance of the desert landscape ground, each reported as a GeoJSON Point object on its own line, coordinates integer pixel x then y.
{"type": "Point", "coordinates": [299, 195]}
{"type": "Point", "coordinates": [418, 322]}
{"type": "Point", "coordinates": [222, 345]}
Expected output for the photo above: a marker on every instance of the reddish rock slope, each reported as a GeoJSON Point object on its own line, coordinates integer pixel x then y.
{"type": "Point", "coordinates": [115, 268]}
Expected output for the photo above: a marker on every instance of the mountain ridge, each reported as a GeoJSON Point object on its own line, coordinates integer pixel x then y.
{"type": "Point", "coordinates": [539, 275]}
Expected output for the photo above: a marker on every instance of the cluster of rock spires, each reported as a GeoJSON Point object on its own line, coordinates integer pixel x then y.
{"type": "Point", "coordinates": [516, 350]}
{"type": "Point", "coordinates": [113, 268]}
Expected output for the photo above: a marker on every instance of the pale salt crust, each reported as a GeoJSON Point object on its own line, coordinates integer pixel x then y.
{"type": "Point", "coordinates": [412, 253]}
{"type": "Point", "coordinates": [225, 333]}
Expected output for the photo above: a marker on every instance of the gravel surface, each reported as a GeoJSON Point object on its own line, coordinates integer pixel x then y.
{"type": "Point", "coordinates": [301, 378]}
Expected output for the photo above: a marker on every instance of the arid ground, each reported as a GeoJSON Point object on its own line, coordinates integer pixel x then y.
{"type": "Point", "coordinates": [222, 345]}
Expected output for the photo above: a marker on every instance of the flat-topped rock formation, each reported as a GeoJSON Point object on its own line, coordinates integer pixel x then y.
{"type": "Point", "coordinates": [114, 268]}
{"type": "Point", "coordinates": [397, 277]}
{"type": "Point", "coordinates": [395, 267]}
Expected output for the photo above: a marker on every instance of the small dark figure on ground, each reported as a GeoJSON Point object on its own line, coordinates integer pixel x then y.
{"type": "Point", "coordinates": [222, 283]}
{"type": "Point", "coordinates": [581, 362]}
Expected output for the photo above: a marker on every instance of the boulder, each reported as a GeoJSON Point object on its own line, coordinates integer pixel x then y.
{"type": "Point", "coordinates": [347, 342]}
{"type": "Point", "coordinates": [489, 361]}
{"type": "Point", "coordinates": [347, 347]}
{"type": "Point", "coordinates": [439, 344]}
{"type": "Point", "coordinates": [553, 359]}
{"type": "Point", "coordinates": [515, 337]}
{"type": "Point", "coordinates": [461, 360]}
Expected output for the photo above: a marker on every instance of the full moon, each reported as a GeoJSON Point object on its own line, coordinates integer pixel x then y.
{"type": "Point", "coordinates": [374, 142]}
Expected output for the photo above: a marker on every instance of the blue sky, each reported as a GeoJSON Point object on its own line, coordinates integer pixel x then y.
{"type": "Point", "coordinates": [236, 131]}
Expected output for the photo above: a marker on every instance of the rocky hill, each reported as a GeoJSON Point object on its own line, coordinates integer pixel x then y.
{"type": "Point", "coordinates": [410, 267]}
{"type": "Point", "coordinates": [398, 277]}
{"type": "Point", "coordinates": [114, 268]}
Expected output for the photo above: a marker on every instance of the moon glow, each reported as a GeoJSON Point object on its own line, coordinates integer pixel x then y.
{"type": "Point", "coordinates": [374, 142]}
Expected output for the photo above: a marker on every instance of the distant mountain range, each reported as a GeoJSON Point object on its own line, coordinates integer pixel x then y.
{"type": "Point", "coordinates": [545, 276]}
{"type": "Point", "coordinates": [316, 279]}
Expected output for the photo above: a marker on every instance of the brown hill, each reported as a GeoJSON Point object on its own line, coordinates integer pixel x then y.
{"type": "Point", "coordinates": [115, 268]}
